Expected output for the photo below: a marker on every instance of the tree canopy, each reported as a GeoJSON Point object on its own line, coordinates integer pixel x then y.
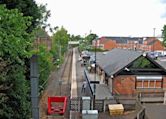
{"type": "Point", "coordinates": [14, 40]}
{"type": "Point", "coordinates": [164, 35]}
{"type": "Point", "coordinates": [39, 14]}
{"type": "Point", "coordinates": [60, 42]}
{"type": "Point", "coordinates": [89, 38]}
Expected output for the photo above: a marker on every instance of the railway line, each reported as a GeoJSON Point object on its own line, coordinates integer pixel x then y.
{"type": "Point", "coordinates": [59, 84]}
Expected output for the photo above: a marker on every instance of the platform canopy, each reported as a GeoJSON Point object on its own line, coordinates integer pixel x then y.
{"type": "Point", "coordinates": [73, 42]}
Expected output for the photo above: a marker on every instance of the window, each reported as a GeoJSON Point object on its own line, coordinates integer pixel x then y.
{"type": "Point", "coordinates": [149, 82]}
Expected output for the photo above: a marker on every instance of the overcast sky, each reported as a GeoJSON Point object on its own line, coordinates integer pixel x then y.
{"type": "Point", "coordinates": [108, 17]}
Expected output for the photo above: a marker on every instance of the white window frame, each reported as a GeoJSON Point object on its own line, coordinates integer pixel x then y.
{"type": "Point", "coordinates": [145, 78]}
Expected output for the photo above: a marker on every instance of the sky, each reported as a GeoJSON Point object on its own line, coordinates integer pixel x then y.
{"type": "Point", "coordinates": [135, 18]}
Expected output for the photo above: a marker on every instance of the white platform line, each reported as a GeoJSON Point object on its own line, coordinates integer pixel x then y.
{"type": "Point", "coordinates": [73, 78]}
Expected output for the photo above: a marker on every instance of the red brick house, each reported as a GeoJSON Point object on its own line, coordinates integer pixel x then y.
{"type": "Point", "coordinates": [153, 44]}
{"type": "Point", "coordinates": [106, 44]}
{"type": "Point", "coordinates": [139, 43]}
{"type": "Point", "coordinates": [42, 38]}
{"type": "Point", "coordinates": [132, 73]}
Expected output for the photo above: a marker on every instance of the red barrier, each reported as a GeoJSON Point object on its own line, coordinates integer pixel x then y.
{"type": "Point", "coordinates": [57, 105]}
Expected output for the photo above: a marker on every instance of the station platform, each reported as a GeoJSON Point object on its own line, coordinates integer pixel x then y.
{"type": "Point", "coordinates": [102, 90]}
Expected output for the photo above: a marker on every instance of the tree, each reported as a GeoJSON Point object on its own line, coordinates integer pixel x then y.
{"type": "Point", "coordinates": [14, 40]}
{"type": "Point", "coordinates": [87, 42]}
{"type": "Point", "coordinates": [60, 42]}
{"type": "Point", "coordinates": [39, 14]}
{"type": "Point", "coordinates": [164, 35]}
{"type": "Point", "coordinates": [76, 38]}
{"type": "Point", "coordinates": [90, 37]}
{"type": "Point", "coordinates": [45, 65]}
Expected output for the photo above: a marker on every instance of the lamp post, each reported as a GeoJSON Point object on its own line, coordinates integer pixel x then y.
{"type": "Point", "coordinates": [94, 86]}
{"type": "Point", "coordinates": [154, 30]}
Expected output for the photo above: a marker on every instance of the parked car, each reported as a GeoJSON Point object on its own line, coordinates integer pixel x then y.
{"type": "Point", "coordinates": [155, 54]}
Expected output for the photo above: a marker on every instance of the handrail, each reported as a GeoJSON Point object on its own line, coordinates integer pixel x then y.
{"type": "Point", "coordinates": [87, 79]}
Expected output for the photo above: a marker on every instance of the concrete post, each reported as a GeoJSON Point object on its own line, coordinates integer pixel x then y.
{"type": "Point", "coordinates": [34, 75]}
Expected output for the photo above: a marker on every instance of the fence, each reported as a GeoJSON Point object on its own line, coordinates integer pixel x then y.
{"type": "Point", "coordinates": [88, 82]}
{"type": "Point", "coordinates": [100, 104]}
{"type": "Point", "coordinates": [151, 97]}
{"type": "Point", "coordinates": [76, 104]}
{"type": "Point", "coordinates": [141, 112]}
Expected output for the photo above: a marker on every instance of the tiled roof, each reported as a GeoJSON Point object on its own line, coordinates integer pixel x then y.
{"type": "Point", "coordinates": [125, 39]}
{"type": "Point", "coordinates": [161, 63]}
{"type": "Point", "coordinates": [152, 42]}
{"type": "Point", "coordinates": [117, 59]}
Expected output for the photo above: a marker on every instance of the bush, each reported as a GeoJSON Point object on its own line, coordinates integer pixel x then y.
{"type": "Point", "coordinates": [45, 65]}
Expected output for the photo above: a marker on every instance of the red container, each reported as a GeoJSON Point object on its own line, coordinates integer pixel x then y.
{"type": "Point", "coordinates": [57, 105]}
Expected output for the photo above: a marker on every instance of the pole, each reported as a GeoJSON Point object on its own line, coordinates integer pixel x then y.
{"type": "Point", "coordinates": [34, 75]}
{"type": "Point", "coordinates": [154, 30]}
{"type": "Point", "coordinates": [94, 93]}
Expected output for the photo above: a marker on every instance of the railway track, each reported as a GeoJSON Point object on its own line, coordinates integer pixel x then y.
{"type": "Point", "coordinates": [58, 85]}
{"type": "Point", "coordinates": [65, 77]}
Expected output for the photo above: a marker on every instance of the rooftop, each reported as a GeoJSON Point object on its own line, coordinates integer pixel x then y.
{"type": "Point", "coordinates": [117, 59]}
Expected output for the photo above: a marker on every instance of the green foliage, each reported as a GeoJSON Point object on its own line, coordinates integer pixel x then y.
{"type": "Point", "coordinates": [86, 42]}
{"type": "Point", "coordinates": [14, 99]}
{"type": "Point", "coordinates": [164, 35]}
{"type": "Point", "coordinates": [76, 38]}
{"type": "Point", "coordinates": [60, 43]}
{"type": "Point", "coordinates": [97, 50]}
{"type": "Point", "coordinates": [45, 64]}
{"type": "Point", "coordinates": [89, 38]}
{"type": "Point", "coordinates": [39, 14]}
{"type": "Point", "coordinates": [83, 46]}
{"type": "Point", "coordinates": [142, 63]}
{"type": "Point", "coordinates": [14, 42]}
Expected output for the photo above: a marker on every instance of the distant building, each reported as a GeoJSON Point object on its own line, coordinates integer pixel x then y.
{"type": "Point", "coordinates": [136, 43]}
{"type": "Point", "coordinates": [42, 38]}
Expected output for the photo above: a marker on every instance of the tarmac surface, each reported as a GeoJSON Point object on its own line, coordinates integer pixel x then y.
{"type": "Point", "coordinates": [155, 111]}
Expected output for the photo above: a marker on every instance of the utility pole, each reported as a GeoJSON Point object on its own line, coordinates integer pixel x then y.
{"type": "Point", "coordinates": [154, 30]}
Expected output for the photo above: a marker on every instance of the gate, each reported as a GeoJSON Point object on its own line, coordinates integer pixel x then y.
{"type": "Point", "coordinates": [99, 105]}
{"type": "Point", "coordinates": [76, 104]}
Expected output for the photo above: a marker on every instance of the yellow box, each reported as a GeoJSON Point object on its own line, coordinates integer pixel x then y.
{"type": "Point", "coordinates": [116, 109]}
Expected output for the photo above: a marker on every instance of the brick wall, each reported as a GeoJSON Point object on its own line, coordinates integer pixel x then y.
{"type": "Point", "coordinates": [109, 45]}
{"type": "Point", "coordinates": [157, 46]}
{"type": "Point", "coordinates": [43, 41]}
{"type": "Point", "coordinates": [124, 85]}
{"type": "Point", "coordinates": [164, 83]}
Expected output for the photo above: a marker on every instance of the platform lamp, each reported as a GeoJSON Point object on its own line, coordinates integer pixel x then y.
{"type": "Point", "coordinates": [94, 86]}
{"type": "Point", "coordinates": [154, 30]}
